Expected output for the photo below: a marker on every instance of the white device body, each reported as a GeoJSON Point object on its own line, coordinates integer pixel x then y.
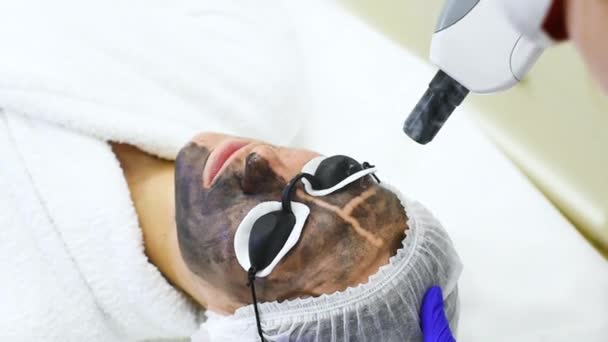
{"type": "Point", "coordinates": [486, 48]}
{"type": "Point", "coordinates": [528, 17]}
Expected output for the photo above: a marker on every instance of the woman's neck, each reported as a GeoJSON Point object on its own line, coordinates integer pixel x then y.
{"type": "Point", "coordinates": [151, 184]}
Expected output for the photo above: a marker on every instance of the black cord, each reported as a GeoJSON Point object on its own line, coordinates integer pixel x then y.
{"type": "Point", "coordinates": [251, 275]}
{"type": "Point", "coordinates": [367, 165]}
{"type": "Point", "coordinates": [288, 191]}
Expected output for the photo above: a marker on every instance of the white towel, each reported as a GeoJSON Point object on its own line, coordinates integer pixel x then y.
{"type": "Point", "coordinates": [151, 70]}
{"type": "Point", "coordinates": [75, 75]}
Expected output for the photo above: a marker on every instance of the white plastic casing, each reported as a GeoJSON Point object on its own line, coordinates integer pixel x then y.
{"type": "Point", "coordinates": [483, 50]}
{"type": "Point", "coordinates": [528, 17]}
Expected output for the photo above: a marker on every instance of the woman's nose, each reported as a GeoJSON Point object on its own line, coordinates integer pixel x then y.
{"type": "Point", "coordinates": [268, 153]}
{"type": "Point", "coordinates": [259, 175]}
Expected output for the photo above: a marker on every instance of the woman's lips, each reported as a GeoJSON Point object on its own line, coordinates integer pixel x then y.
{"type": "Point", "coordinates": [219, 159]}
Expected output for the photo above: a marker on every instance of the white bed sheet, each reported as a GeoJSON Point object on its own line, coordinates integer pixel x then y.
{"type": "Point", "coordinates": [529, 275]}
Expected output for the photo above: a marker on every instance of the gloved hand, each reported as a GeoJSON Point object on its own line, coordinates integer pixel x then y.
{"type": "Point", "coordinates": [435, 326]}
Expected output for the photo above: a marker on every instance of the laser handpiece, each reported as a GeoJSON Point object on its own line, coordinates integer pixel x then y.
{"type": "Point", "coordinates": [481, 46]}
{"type": "Point", "coordinates": [435, 107]}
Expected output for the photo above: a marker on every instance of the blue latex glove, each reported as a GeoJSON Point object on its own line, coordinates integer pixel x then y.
{"type": "Point", "coordinates": [435, 326]}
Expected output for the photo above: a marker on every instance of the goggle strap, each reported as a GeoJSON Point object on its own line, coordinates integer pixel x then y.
{"type": "Point", "coordinates": [367, 165]}
{"type": "Point", "coordinates": [288, 191]}
{"type": "Point", "coordinates": [251, 276]}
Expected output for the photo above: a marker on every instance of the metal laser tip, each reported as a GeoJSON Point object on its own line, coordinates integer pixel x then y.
{"type": "Point", "coordinates": [434, 108]}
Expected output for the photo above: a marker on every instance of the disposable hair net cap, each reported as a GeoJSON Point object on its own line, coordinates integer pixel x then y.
{"type": "Point", "coordinates": [386, 308]}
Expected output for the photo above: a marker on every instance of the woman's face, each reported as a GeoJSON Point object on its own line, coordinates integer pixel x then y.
{"type": "Point", "coordinates": [220, 178]}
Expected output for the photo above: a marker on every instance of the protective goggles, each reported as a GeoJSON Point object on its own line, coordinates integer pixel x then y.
{"type": "Point", "coordinates": [271, 229]}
